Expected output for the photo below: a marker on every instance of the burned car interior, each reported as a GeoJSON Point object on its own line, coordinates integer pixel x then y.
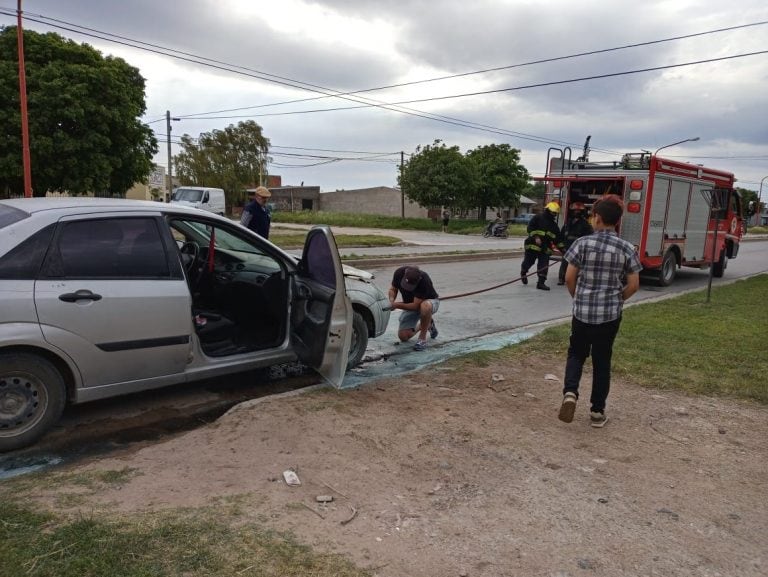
{"type": "Point", "coordinates": [239, 294]}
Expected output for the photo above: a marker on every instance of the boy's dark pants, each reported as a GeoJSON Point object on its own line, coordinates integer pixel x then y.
{"type": "Point", "coordinates": [599, 339]}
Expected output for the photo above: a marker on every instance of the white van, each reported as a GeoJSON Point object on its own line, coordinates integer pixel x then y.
{"type": "Point", "coordinates": [210, 199]}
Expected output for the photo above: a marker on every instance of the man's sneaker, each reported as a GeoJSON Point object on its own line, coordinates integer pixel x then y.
{"type": "Point", "coordinates": [567, 408]}
{"type": "Point", "coordinates": [420, 346]}
{"type": "Point", "coordinates": [597, 420]}
{"type": "Point", "coordinates": [524, 277]}
{"type": "Point", "coordinates": [433, 330]}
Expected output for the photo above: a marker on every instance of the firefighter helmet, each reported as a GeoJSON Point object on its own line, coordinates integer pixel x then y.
{"type": "Point", "coordinates": [577, 206]}
{"type": "Point", "coordinates": [552, 207]}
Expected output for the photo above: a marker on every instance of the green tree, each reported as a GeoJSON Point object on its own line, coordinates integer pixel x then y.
{"type": "Point", "coordinates": [439, 175]}
{"type": "Point", "coordinates": [83, 111]}
{"type": "Point", "coordinates": [501, 179]}
{"type": "Point", "coordinates": [233, 159]}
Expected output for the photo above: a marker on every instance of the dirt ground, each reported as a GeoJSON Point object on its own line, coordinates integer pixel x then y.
{"type": "Point", "coordinates": [468, 472]}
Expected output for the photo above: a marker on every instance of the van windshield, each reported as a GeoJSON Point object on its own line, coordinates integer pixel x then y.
{"type": "Point", "coordinates": [188, 194]}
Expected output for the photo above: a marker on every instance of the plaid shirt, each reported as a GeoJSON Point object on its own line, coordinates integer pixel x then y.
{"type": "Point", "coordinates": [604, 260]}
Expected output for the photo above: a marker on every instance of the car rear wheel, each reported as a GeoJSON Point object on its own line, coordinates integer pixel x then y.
{"type": "Point", "coordinates": [359, 340]}
{"type": "Point", "coordinates": [32, 397]}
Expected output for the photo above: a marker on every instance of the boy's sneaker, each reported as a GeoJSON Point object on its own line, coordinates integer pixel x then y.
{"type": "Point", "coordinates": [420, 346]}
{"type": "Point", "coordinates": [597, 420]}
{"type": "Point", "coordinates": [567, 408]}
{"type": "Point", "coordinates": [433, 330]}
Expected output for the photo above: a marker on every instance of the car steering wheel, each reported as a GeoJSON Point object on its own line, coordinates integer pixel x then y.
{"type": "Point", "coordinates": [190, 252]}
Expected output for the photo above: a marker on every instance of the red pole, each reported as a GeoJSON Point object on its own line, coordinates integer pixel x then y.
{"type": "Point", "coordinates": [23, 99]}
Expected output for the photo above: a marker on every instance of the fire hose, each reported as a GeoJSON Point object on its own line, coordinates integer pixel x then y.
{"type": "Point", "coordinates": [509, 282]}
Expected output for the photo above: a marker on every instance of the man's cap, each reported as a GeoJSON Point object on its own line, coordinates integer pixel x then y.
{"type": "Point", "coordinates": [411, 278]}
{"type": "Point", "coordinates": [261, 191]}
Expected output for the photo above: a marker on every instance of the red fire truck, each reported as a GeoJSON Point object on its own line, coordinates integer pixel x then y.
{"type": "Point", "coordinates": [675, 214]}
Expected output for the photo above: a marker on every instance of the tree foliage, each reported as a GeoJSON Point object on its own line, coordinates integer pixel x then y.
{"type": "Point", "coordinates": [490, 175]}
{"type": "Point", "coordinates": [438, 175]}
{"type": "Point", "coordinates": [83, 112]}
{"type": "Point", "coordinates": [501, 179]}
{"type": "Point", "coordinates": [233, 159]}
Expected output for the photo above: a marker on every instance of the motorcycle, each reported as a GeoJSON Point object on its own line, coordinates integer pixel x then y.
{"type": "Point", "coordinates": [496, 230]}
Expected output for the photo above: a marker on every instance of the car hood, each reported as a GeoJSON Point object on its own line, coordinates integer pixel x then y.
{"type": "Point", "coordinates": [350, 271]}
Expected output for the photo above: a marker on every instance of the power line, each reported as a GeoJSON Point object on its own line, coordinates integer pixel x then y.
{"type": "Point", "coordinates": [495, 69]}
{"type": "Point", "coordinates": [458, 122]}
{"type": "Point", "coordinates": [301, 85]}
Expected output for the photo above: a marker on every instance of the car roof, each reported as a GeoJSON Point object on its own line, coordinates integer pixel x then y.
{"type": "Point", "coordinates": [40, 204]}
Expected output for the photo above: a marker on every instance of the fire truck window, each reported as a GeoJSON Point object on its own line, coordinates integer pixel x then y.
{"type": "Point", "coordinates": [720, 202]}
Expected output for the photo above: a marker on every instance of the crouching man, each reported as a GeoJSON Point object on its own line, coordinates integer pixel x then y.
{"type": "Point", "coordinates": [419, 303]}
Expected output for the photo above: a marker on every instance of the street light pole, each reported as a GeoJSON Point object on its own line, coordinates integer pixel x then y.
{"type": "Point", "coordinates": [694, 139]}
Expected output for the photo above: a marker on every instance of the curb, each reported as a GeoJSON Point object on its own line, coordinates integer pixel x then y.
{"type": "Point", "coordinates": [436, 257]}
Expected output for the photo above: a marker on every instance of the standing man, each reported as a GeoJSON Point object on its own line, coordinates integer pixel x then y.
{"type": "Point", "coordinates": [543, 234]}
{"type": "Point", "coordinates": [420, 301]}
{"type": "Point", "coordinates": [446, 219]}
{"type": "Point", "coordinates": [603, 272]}
{"type": "Point", "coordinates": [575, 227]}
{"type": "Point", "coordinates": [255, 214]}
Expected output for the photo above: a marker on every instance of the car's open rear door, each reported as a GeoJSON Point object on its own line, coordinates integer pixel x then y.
{"type": "Point", "coordinates": [321, 313]}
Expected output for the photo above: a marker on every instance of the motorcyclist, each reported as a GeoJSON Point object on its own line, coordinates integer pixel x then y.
{"type": "Point", "coordinates": [495, 227]}
{"type": "Point", "coordinates": [575, 227]}
{"type": "Point", "coordinates": [543, 235]}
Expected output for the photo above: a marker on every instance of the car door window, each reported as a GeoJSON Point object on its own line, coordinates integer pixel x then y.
{"type": "Point", "coordinates": [109, 248]}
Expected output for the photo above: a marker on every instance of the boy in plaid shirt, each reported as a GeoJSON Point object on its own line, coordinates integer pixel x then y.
{"type": "Point", "coordinates": [603, 272]}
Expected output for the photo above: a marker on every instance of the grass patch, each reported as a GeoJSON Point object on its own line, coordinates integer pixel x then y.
{"type": "Point", "coordinates": [190, 543]}
{"type": "Point", "coordinates": [455, 226]}
{"type": "Point", "coordinates": [293, 240]}
{"type": "Point", "coordinates": [683, 343]}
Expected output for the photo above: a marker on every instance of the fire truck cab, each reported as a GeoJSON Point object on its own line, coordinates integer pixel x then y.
{"type": "Point", "coordinates": [675, 214]}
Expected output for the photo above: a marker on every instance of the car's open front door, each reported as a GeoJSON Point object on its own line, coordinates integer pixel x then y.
{"type": "Point", "coordinates": [321, 312]}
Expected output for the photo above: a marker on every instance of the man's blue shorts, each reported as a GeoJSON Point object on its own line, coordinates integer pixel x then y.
{"type": "Point", "coordinates": [410, 319]}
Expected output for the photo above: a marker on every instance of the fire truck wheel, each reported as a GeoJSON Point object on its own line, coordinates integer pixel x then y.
{"type": "Point", "coordinates": [668, 269]}
{"type": "Point", "coordinates": [718, 268]}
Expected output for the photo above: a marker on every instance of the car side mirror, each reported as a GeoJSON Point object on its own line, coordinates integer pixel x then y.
{"type": "Point", "coordinates": [206, 198]}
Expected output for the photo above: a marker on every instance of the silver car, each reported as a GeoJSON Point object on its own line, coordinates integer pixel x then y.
{"type": "Point", "coordinates": [102, 297]}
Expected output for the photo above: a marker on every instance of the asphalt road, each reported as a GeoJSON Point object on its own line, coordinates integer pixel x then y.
{"type": "Point", "coordinates": [483, 321]}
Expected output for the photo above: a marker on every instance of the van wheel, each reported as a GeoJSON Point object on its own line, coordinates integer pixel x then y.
{"type": "Point", "coordinates": [32, 397]}
{"type": "Point", "coordinates": [668, 269]}
{"type": "Point", "coordinates": [359, 340]}
{"type": "Point", "coordinates": [718, 268]}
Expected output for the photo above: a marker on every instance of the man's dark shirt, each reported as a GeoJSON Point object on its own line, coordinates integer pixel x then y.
{"type": "Point", "coordinates": [257, 218]}
{"type": "Point", "coordinates": [425, 290]}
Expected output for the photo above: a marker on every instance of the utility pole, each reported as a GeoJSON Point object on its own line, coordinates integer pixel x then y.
{"type": "Point", "coordinates": [170, 170]}
{"type": "Point", "coordinates": [23, 99]}
{"type": "Point", "coordinates": [402, 188]}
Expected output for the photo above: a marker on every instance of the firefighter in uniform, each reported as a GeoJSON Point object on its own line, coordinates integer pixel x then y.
{"type": "Point", "coordinates": [543, 234]}
{"type": "Point", "coordinates": [575, 227]}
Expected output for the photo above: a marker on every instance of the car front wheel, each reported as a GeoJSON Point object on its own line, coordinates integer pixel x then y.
{"type": "Point", "coordinates": [359, 340]}
{"type": "Point", "coordinates": [32, 397]}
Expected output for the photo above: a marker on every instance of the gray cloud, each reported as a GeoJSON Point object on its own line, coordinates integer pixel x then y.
{"type": "Point", "coordinates": [722, 103]}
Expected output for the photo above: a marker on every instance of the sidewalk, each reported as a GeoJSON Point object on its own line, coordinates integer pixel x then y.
{"type": "Point", "coordinates": [421, 246]}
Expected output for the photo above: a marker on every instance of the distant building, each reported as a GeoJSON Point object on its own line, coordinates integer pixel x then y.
{"type": "Point", "coordinates": [382, 200]}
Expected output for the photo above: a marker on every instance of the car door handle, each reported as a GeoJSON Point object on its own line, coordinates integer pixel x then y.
{"type": "Point", "coordinates": [81, 295]}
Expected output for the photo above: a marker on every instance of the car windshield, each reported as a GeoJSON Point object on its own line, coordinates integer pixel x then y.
{"type": "Point", "coordinates": [188, 194]}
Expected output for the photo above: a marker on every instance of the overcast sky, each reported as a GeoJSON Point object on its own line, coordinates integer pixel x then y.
{"type": "Point", "coordinates": [261, 50]}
